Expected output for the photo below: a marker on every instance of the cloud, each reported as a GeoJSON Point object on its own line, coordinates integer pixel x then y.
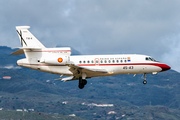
{"type": "Point", "coordinates": [97, 27]}
{"type": "Point", "coordinates": [173, 55]}
{"type": "Point", "coordinates": [10, 67]}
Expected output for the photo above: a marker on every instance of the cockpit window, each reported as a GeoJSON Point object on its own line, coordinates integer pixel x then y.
{"type": "Point", "coordinates": [150, 59]}
{"type": "Point", "coordinates": [153, 59]}
{"type": "Point", "coordinates": [147, 58]}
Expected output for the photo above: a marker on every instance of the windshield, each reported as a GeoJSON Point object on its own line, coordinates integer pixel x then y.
{"type": "Point", "coordinates": [150, 59]}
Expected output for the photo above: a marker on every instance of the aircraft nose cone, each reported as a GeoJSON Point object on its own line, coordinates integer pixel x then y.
{"type": "Point", "coordinates": [165, 67]}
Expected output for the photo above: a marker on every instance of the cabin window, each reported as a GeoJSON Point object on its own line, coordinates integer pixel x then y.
{"type": "Point", "coordinates": [109, 61]}
{"type": "Point", "coordinates": [117, 61]}
{"type": "Point", "coordinates": [92, 61]}
{"type": "Point", "coordinates": [88, 61]}
{"type": "Point", "coordinates": [84, 61]}
{"type": "Point", "coordinates": [80, 62]}
{"type": "Point", "coordinates": [101, 61]}
{"type": "Point", "coordinates": [96, 61]}
{"type": "Point", "coordinates": [125, 60]}
{"type": "Point", "coordinates": [105, 61]}
{"type": "Point", "coordinates": [113, 61]}
{"type": "Point", "coordinates": [121, 61]}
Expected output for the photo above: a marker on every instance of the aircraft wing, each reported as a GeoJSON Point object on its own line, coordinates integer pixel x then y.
{"type": "Point", "coordinates": [75, 68]}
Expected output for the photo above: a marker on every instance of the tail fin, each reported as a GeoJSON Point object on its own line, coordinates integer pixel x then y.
{"type": "Point", "coordinates": [27, 39]}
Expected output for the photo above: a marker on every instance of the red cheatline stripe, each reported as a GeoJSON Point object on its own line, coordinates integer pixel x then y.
{"type": "Point", "coordinates": [39, 64]}
{"type": "Point", "coordinates": [154, 64]}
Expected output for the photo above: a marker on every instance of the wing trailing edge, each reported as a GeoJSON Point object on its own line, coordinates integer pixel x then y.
{"type": "Point", "coordinates": [74, 68]}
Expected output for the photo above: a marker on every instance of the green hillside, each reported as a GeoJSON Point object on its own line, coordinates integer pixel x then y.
{"type": "Point", "coordinates": [18, 115]}
{"type": "Point", "coordinates": [29, 89]}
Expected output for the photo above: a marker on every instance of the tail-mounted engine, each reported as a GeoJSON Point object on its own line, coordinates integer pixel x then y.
{"type": "Point", "coordinates": [56, 60]}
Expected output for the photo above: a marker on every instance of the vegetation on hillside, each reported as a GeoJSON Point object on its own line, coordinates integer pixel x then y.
{"type": "Point", "coordinates": [30, 89]}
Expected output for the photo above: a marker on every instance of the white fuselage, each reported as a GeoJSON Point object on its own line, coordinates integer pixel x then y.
{"type": "Point", "coordinates": [113, 64]}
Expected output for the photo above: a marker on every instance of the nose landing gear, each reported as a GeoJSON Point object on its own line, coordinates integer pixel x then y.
{"type": "Point", "coordinates": [144, 82]}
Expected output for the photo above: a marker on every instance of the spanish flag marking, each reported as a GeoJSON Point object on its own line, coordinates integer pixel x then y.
{"type": "Point", "coordinates": [60, 60]}
{"type": "Point", "coordinates": [128, 59]}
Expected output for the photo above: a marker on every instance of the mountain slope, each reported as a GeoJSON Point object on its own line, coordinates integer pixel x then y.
{"type": "Point", "coordinates": [30, 89]}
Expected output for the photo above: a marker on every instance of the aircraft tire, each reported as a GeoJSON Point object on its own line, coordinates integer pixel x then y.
{"type": "Point", "coordinates": [144, 82]}
{"type": "Point", "coordinates": [81, 86]}
{"type": "Point", "coordinates": [84, 82]}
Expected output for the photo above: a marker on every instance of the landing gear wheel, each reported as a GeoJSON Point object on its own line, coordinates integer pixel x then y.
{"type": "Point", "coordinates": [144, 77]}
{"type": "Point", "coordinates": [81, 86]}
{"type": "Point", "coordinates": [84, 82]}
{"type": "Point", "coordinates": [144, 82]}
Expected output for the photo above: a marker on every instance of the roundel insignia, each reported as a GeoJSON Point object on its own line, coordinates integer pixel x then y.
{"type": "Point", "coordinates": [60, 60]}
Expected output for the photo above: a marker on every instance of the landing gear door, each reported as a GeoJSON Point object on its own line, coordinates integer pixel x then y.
{"type": "Point", "coordinates": [68, 59]}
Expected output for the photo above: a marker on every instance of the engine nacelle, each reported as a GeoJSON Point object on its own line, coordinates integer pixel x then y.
{"type": "Point", "coordinates": [56, 60]}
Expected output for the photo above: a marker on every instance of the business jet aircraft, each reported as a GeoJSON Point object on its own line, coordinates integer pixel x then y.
{"type": "Point", "coordinates": [81, 67]}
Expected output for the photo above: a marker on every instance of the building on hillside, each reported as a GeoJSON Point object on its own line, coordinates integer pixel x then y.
{"type": "Point", "coordinates": [111, 112]}
{"type": "Point", "coordinates": [31, 110]}
{"type": "Point", "coordinates": [65, 102]}
{"type": "Point", "coordinates": [7, 77]}
{"type": "Point", "coordinates": [47, 80]}
{"type": "Point", "coordinates": [105, 105]}
{"type": "Point", "coordinates": [72, 115]}
{"type": "Point", "coordinates": [123, 115]}
{"type": "Point", "coordinates": [83, 103]}
{"type": "Point", "coordinates": [99, 105]}
{"type": "Point", "coordinates": [19, 110]}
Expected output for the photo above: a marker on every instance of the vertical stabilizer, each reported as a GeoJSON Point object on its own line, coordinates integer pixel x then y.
{"type": "Point", "coordinates": [27, 39]}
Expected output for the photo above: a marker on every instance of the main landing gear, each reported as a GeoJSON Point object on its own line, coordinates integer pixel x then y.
{"type": "Point", "coordinates": [82, 83]}
{"type": "Point", "coordinates": [144, 82]}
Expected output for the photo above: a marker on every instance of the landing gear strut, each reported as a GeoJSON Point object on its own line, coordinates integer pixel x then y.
{"type": "Point", "coordinates": [144, 82]}
{"type": "Point", "coordinates": [82, 83]}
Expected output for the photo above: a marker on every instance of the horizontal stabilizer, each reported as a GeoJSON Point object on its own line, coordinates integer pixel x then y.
{"type": "Point", "coordinates": [21, 50]}
{"type": "Point", "coordinates": [22, 27]}
{"type": "Point", "coordinates": [18, 52]}
{"type": "Point", "coordinates": [30, 48]}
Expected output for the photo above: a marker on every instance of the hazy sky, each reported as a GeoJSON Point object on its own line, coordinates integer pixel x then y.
{"type": "Point", "coordinates": [150, 27]}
